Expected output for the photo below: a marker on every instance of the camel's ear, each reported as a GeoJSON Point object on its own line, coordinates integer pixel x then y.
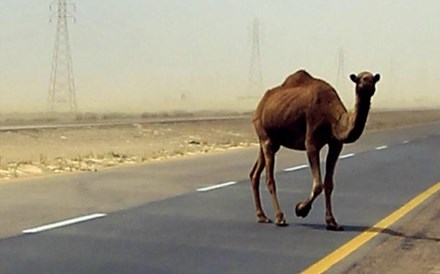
{"type": "Point", "coordinates": [376, 78]}
{"type": "Point", "coordinates": [353, 78]}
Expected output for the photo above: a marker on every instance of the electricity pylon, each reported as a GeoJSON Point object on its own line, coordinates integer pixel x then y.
{"type": "Point", "coordinates": [255, 86]}
{"type": "Point", "coordinates": [340, 77]}
{"type": "Point", "coordinates": [62, 95]}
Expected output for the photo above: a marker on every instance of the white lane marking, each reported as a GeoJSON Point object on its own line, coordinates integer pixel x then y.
{"type": "Point", "coordinates": [345, 156]}
{"type": "Point", "coordinates": [381, 147]}
{"type": "Point", "coordinates": [216, 186]}
{"type": "Point", "coordinates": [296, 168]}
{"type": "Point", "coordinates": [64, 223]}
{"type": "Point", "coordinates": [405, 142]}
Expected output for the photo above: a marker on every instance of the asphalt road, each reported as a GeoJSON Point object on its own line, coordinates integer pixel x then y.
{"type": "Point", "coordinates": [112, 123]}
{"type": "Point", "coordinates": [157, 222]}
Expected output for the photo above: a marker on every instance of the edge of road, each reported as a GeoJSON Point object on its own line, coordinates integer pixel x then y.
{"type": "Point", "coordinates": [336, 256]}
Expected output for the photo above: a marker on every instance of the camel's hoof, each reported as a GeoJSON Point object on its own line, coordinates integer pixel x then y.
{"type": "Point", "coordinates": [262, 219]}
{"type": "Point", "coordinates": [301, 210]}
{"type": "Point", "coordinates": [281, 221]}
{"type": "Point", "coordinates": [335, 227]}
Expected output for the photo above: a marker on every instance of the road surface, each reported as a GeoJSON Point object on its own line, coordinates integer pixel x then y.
{"type": "Point", "coordinates": [153, 219]}
{"type": "Point", "coordinates": [113, 123]}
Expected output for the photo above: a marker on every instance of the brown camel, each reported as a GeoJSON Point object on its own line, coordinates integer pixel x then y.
{"type": "Point", "coordinates": [306, 113]}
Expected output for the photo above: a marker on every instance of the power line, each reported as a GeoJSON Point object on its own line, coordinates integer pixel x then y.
{"type": "Point", "coordinates": [62, 95]}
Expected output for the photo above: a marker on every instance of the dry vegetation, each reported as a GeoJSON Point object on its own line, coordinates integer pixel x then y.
{"type": "Point", "coordinates": [33, 152]}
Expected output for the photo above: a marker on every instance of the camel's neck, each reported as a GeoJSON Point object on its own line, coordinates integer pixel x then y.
{"type": "Point", "coordinates": [351, 124]}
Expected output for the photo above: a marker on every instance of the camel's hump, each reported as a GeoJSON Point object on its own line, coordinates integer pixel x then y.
{"type": "Point", "coordinates": [301, 77]}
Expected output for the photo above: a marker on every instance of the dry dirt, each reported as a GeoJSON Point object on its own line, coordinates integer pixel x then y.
{"type": "Point", "coordinates": [36, 152]}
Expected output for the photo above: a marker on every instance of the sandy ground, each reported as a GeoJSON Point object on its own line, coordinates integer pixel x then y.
{"type": "Point", "coordinates": [36, 152]}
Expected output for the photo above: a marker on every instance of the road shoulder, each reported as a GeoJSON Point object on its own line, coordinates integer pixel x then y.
{"type": "Point", "coordinates": [413, 248]}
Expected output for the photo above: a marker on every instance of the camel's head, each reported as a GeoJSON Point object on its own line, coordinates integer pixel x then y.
{"type": "Point", "coordinates": [365, 83]}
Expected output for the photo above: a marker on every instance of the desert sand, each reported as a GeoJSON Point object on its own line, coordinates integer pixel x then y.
{"type": "Point", "coordinates": [36, 152]}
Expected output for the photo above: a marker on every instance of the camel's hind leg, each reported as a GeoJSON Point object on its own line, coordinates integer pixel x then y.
{"type": "Point", "coordinates": [269, 150]}
{"type": "Point", "coordinates": [255, 179]}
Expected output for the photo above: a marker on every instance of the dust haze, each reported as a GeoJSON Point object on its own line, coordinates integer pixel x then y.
{"type": "Point", "coordinates": [156, 56]}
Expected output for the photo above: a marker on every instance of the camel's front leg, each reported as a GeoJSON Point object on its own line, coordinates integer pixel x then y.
{"type": "Point", "coordinates": [302, 208]}
{"type": "Point", "coordinates": [332, 158]}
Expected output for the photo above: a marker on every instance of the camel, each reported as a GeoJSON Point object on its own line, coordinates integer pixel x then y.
{"type": "Point", "coordinates": [306, 113]}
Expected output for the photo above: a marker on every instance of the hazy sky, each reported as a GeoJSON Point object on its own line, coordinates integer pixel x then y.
{"type": "Point", "coordinates": [141, 55]}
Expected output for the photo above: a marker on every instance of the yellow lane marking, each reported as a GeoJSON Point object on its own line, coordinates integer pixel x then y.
{"type": "Point", "coordinates": [342, 252]}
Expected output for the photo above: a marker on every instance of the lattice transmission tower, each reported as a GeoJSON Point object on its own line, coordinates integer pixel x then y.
{"type": "Point", "coordinates": [62, 96]}
{"type": "Point", "coordinates": [255, 86]}
{"type": "Point", "coordinates": [341, 78]}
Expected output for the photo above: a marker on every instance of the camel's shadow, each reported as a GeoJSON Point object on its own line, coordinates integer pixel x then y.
{"type": "Point", "coordinates": [391, 232]}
